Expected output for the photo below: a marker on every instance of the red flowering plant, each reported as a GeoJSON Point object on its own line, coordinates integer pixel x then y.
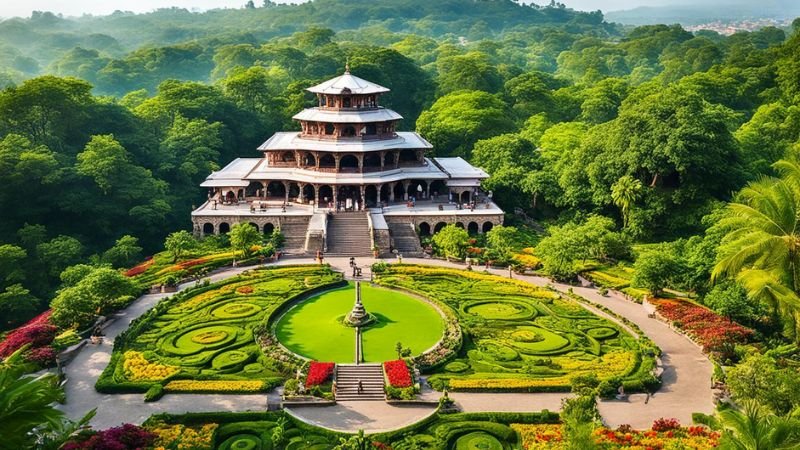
{"type": "Point", "coordinates": [38, 332]}
{"type": "Point", "coordinates": [42, 356]}
{"type": "Point", "coordinates": [716, 334]}
{"type": "Point", "coordinates": [663, 424]}
{"type": "Point", "coordinates": [125, 437]}
{"type": "Point", "coordinates": [397, 373]}
{"type": "Point", "coordinates": [141, 268]}
{"type": "Point", "coordinates": [319, 373]}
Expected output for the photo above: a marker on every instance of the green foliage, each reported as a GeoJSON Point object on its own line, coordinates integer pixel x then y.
{"type": "Point", "coordinates": [758, 378]}
{"type": "Point", "coordinates": [457, 120]}
{"type": "Point", "coordinates": [754, 428]}
{"type": "Point", "coordinates": [26, 403]}
{"type": "Point", "coordinates": [580, 417]}
{"type": "Point", "coordinates": [655, 269]}
{"type": "Point", "coordinates": [243, 237]}
{"type": "Point", "coordinates": [178, 243]}
{"type": "Point", "coordinates": [451, 241]}
{"type": "Point", "coordinates": [102, 291]}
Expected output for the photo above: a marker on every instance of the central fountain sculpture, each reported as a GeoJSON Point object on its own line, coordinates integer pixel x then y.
{"type": "Point", "coordinates": [358, 316]}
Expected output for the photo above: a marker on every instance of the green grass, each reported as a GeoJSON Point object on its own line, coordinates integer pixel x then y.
{"type": "Point", "coordinates": [312, 328]}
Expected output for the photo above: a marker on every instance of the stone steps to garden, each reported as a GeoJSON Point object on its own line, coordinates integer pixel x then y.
{"type": "Point", "coordinates": [348, 235]}
{"type": "Point", "coordinates": [405, 239]}
{"type": "Point", "coordinates": [348, 376]}
{"type": "Point", "coordinates": [294, 236]}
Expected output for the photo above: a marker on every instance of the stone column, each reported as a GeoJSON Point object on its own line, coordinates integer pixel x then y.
{"type": "Point", "coordinates": [361, 163]}
{"type": "Point", "coordinates": [300, 186]}
{"type": "Point", "coordinates": [335, 189]}
{"type": "Point", "coordinates": [391, 191]}
{"type": "Point", "coordinates": [406, 183]}
{"type": "Point", "coordinates": [286, 191]}
{"type": "Point", "coordinates": [383, 155]}
{"type": "Point", "coordinates": [316, 195]}
{"type": "Point", "coordinates": [378, 188]}
{"type": "Point", "coordinates": [363, 197]}
{"type": "Point", "coordinates": [396, 158]}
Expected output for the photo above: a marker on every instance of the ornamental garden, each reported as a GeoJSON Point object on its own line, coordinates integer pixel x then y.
{"type": "Point", "coordinates": [466, 330]}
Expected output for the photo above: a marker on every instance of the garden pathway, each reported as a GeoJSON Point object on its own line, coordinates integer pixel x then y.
{"type": "Point", "coordinates": [686, 389]}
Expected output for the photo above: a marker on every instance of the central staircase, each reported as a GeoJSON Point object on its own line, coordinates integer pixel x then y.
{"type": "Point", "coordinates": [347, 377]}
{"type": "Point", "coordinates": [294, 233]}
{"type": "Point", "coordinates": [348, 234]}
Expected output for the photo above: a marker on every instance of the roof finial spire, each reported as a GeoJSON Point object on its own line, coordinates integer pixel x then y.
{"type": "Point", "coordinates": [347, 66]}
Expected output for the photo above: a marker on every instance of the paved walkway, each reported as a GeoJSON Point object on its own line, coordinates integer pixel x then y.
{"type": "Point", "coordinates": [686, 389]}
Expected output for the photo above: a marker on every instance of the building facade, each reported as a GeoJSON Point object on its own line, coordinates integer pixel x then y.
{"type": "Point", "coordinates": [347, 159]}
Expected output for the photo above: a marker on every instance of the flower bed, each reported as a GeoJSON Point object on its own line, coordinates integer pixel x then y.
{"type": "Point", "coordinates": [519, 337]}
{"type": "Point", "coordinates": [542, 437]}
{"type": "Point", "coordinates": [716, 334]}
{"type": "Point", "coordinates": [212, 338]}
{"type": "Point", "coordinates": [39, 333]}
{"type": "Point", "coordinates": [140, 269]}
{"type": "Point", "coordinates": [319, 373]}
{"type": "Point", "coordinates": [183, 437]}
{"type": "Point", "coordinates": [215, 386]}
{"type": "Point", "coordinates": [397, 373]}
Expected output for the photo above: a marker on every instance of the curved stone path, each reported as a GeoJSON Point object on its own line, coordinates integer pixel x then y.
{"type": "Point", "coordinates": [686, 376]}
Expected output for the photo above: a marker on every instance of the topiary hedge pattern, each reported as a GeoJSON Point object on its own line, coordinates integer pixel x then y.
{"type": "Point", "coordinates": [519, 337]}
{"type": "Point", "coordinates": [203, 338]}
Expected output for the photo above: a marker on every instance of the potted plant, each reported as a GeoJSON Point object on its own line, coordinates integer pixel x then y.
{"type": "Point", "coordinates": [376, 251]}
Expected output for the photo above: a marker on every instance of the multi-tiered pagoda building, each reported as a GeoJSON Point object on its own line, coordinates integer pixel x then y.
{"type": "Point", "coordinates": [348, 182]}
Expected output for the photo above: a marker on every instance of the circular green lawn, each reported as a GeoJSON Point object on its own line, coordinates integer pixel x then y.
{"type": "Point", "coordinates": [312, 328]}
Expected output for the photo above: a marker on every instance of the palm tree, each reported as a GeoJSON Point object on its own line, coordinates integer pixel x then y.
{"type": "Point", "coordinates": [26, 403]}
{"type": "Point", "coordinates": [752, 428]}
{"type": "Point", "coordinates": [762, 246]}
{"type": "Point", "coordinates": [624, 193]}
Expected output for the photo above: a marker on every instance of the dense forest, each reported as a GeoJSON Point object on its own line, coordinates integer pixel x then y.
{"type": "Point", "coordinates": [108, 124]}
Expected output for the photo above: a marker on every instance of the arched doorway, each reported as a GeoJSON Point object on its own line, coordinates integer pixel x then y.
{"type": "Point", "coordinates": [388, 159]}
{"type": "Point", "coordinates": [438, 188]}
{"type": "Point", "coordinates": [472, 228]}
{"type": "Point", "coordinates": [268, 228]}
{"type": "Point", "coordinates": [460, 225]}
{"type": "Point", "coordinates": [208, 228]}
{"type": "Point", "coordinates": [348, 163]}
{"type": "Point", "coordinates": [371, 195]}
{"type": "Point", "coordinates": [438, 227]}
{"type": "Point", "coordinates": [399, 192]}
{"type": "Point", "coordinates": [276, 189]}
{"type": "Point", "coordinates": [465, 196]}
{"type": "Point", "coordinates": [385, 189]}
{"type": "Point", "coordinates": [309, 160]}
{"type": "Point", "coordinates": [325, 196]}
{"type": "Point", "coordinates": [408, 156]}
{"type": "Point", "coordinates": [287, 157]}
{"type": "Point", "coordinates": [349, 131]}
{"type": "Point", "coordinates": [327, 160]}
{"type": "Point", "coordinates": [253, 189]}
{"type": "Point", "coordinates": [294, 191]}
{"type": "Point", "coordinates": [308, 193]}
{"type": "Point", "coordinates": [230, 197]}
{"type": "Point", "coordinates": [424, 229]}
{"type": "Point", "coordinates": [417, 189]}
{"type": "Point", "coordinates": [372, 161]}
{"type": "Point", "coordinates": [253, 225]}
{"type": "Point", "coordinates": [487, 227]}
{"type": "Point", "coordinates": [224, 228]}
{"type": "Point", "coordinates": [329, 129]}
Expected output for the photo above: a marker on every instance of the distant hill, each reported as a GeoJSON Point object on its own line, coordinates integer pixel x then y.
{"type": "Point", "coordinates": [696, 14]}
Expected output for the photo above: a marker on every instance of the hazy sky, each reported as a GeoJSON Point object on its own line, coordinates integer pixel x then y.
{"type": "Point", "coordinates": [23, 8]}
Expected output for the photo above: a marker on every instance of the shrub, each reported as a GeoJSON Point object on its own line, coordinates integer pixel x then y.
{"type": "Point", "coordinates": [397, 373]}
{"type": "Point", "coordinates": [154, 393]}
{"type": "Point", "coordinates": [319, 373]}
{"type": "Point", "coordinates": [127, 436]}
{"type": "Point", "coordinates": [663, 424]}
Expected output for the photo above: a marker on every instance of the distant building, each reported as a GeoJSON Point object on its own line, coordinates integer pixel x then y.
{"type": "Point", "coordinates": [348, 182]}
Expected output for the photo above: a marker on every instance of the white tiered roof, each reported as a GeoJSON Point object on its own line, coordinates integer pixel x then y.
{"type": "Point", "coordinates": [347, 116]}
{"type": "Point", "coordinates": [355, 84]}
{"type": "Point", "coordinates": [291, 140]}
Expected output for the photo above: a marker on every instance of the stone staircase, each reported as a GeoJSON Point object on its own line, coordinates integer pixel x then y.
{"type": "Point", "coordinates": [294, 232]}
{"type": "Point", "coordinates": [348, 235]}
{"type": "Point", "coordinates": [347, 377]}
{"type": "Point", "coordinates": [405, 239]}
